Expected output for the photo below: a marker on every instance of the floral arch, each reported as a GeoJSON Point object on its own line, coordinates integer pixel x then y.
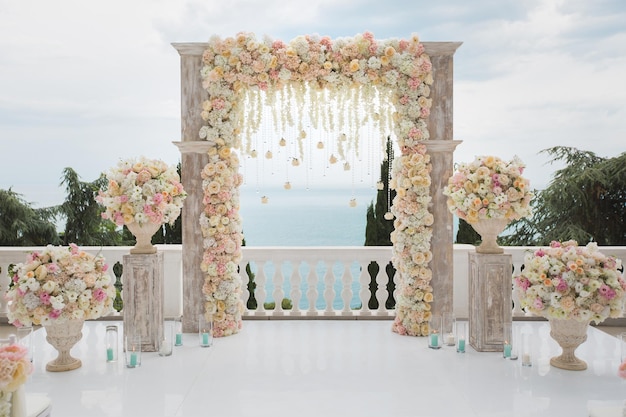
{"type": "Point", "coordinates": [218, 76]}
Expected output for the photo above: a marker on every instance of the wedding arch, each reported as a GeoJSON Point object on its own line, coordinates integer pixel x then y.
{"type": "Point", "coordinates": [217, 76]}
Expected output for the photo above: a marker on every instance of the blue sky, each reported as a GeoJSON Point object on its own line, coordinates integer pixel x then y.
{"type": "Point", "coordinates": [83, 84]}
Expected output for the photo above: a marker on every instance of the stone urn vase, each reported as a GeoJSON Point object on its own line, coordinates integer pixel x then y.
{"type": "Point", "coordinates": [569, 334]}
{"type": "Point", "coordinates": [63, 336]}
{"type": "Point", "coordinates": [143, 234]}
{"type": "Point", "coordinates": [489, 229]}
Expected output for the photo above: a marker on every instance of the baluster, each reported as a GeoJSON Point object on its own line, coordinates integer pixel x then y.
{"type": "Point", "coordinates": [118, 302]}
{"type": "Point", "coordinates": [329, 291]}
{"type": "Point", "coordinates": [311, 293]}
{"type": "Point", "coordinates": [517, 308]}
{"type": "Point", "coordinates": [295, 294]}
{"type": "Point", "coordinates": [364, 293]}
{"type": "Point", "coordinates": [346, 292]}
{"type": "Point", "coordinates": [381, 292]}
{"type": "Point", "coordinates": [278, 293]}
{"type": "Point", "coordinates": [261, 294]}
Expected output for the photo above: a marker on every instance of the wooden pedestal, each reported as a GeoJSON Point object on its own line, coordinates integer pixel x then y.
{"type": "Point", "coordinates": [143, 299]}
{"type": "Point", "coordinates": [490, 308]}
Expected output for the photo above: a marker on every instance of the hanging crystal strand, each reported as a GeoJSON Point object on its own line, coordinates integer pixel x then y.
{"type": "Point", "coordinates": [389, 150]}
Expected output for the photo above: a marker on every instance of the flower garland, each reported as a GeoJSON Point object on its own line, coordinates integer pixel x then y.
{"type": "Point", "coordinates": [411, 240]}
{"type": "Point", "coordinates": [221, 228]}
{"type": "Point", "coordinates": [567, 281]}
{"type": "Point", "coordinates": [289, 75]}
{"type": "Point", "coordinates": [59, 283]}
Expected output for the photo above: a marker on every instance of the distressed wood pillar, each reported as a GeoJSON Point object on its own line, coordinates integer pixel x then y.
{"type": "Point", "coordinates": [441, 150]}
{"type": "Point", "coordinates": [194, 158]}
{"type": "Point", "coordinates": [143, 299]}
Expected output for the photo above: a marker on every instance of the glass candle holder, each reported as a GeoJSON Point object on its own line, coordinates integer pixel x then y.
{"type": "Point", "coordinates": [205, 330]}
{"type": "Point", "coordinates": [447, 329]}
{"type": "Point", "coordinates": [507, 345]}
{"type": "Point", "coordinates": [434, 333]}
{"type": "Point", "coordinates": [167, 341]}
{"type": "Point", "coordinates": [25, 338]}
{"type": "Point", "coordinates": [111, 343]}
{"type": "Point", "coordinates": [622, 346]}
{"type": "Point", "coordinates": [178, 331]}
{"type": "Point", "coordinates": [515, 342]}
{"type": "Point", "coordinates": [526, 349]}
{"type": "Point", "coordinates": [461, 335]}
{"type": "Point", "coordinates": [132, 351]}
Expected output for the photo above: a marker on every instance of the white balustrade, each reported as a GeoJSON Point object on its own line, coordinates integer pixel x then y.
{"type": "Point", "coordinates": [321, 282]}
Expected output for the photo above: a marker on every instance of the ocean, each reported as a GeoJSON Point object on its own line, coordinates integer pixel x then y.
{"type": "Point", "coordinates": [313, 217]}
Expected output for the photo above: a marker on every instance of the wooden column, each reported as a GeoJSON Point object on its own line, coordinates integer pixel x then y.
{"type": "Point", "coordinates": [490, 307]}
{"type": "Point", "coordinates": [194, 158]}
{"type": "Point", "coordinates": [441, 150]}
{"type": "Point", "coordinates": [143, 299]}
{"type": "Point", "coordinates": [441, 158]}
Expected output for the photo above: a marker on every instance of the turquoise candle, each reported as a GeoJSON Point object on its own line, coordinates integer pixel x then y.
{"type": "Point", "coordinates": [179, 339]}
{"type": "Point", "coordinates": [110, 356]}
{"type": "Point", "coordinates": [205, 339]}
{"type": "Point", "coordinates": [461, 347]}
{"type": "Point", "coordinates": [133, 359]}
{"type": "Point", "coordinates": [434, 339]}
{"type": "Point", "coordinates": [507, 350]}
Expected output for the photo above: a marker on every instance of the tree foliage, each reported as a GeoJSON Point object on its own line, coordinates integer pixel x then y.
{"type": "Point", "coordinates": [22, 225]}
{"type": "Point", "coordinates": [83, 222]}
{"type": "Point", "coordinates": [585, 201]}
{"type": "Point", "coordinates": [378, 229]}
{"type": "Point", "coordinates": [467, 234]}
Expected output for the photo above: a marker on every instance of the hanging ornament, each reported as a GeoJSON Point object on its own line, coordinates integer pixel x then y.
{"type": "Point", "coordinates": [268, 155]}
{"type": "Point", "coordinates": [333, 159]}
{"type": "Point", "coordinates": [388, 216]}
{"type": "Point", "coordinates": [380, 185]}
{"type": "Point", "coordinates": [353, 202]}
{"type": "Point", "coordinates": [320, 145]}
{"type": "Point", "coordinates": [264, 200]}
{"type": "Point", "coordinates": [282, 142]}
{"type": "Point", "coordinates": [287, 185]}
{"type": "Point", "coordinates": [253, 154]}
{"type": "Point", "coordinates": [343, 137]}
{"type": "Point", "coordinates": [295, 162]}
{"type": "Point", "coordinates": [302, 134]}
{"type": "Point", "coordinates": [346, 166]}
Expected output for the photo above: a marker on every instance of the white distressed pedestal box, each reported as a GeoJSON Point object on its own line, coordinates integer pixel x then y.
{"type": "Point", "coordinates": [490, 307]}
{"type": "Point", "coordinates": [143, 298]}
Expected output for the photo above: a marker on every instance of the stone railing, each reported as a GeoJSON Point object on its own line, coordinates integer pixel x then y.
{"type": "Point", "coordinates": [317, 282]}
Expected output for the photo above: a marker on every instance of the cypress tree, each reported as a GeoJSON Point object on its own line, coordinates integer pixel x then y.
{"type": "Point", "coordinates": [378, 229]}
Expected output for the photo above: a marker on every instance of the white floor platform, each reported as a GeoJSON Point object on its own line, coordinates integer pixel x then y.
{"type": "Point", "coordinates": [328, 368]}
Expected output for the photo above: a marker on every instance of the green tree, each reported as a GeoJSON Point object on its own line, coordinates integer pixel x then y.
{"type": "Point", "coordinates": [378, 229]}
{"type": "Point", "coordinates": [82, 214]}
{"type": "Point", "coordinates": [23, 225]}
{"type": "Point", "coordinates": [467, 234]}
{"type": "Point", "coordinates": [585, 201]}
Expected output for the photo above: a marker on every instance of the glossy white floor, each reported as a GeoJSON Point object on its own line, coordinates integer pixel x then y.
{"type": "Point", "coordinates": [328, 368]}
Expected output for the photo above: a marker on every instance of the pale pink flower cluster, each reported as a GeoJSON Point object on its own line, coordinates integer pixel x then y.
{"type": "Point", "coordinates": [567, 281]}
{"type": "Point", "coordinates": [15, 367]}
{"type": "Point", "coordinates": [142, 190]}
{"type": "Point", "coordinates": [221, 228]}
{"type": "Point", "coordinates": [489, 188]}
{"type": "Point", "coordinates": [411, 240]}
{"type": "Point", "coordinates": [59, 283]}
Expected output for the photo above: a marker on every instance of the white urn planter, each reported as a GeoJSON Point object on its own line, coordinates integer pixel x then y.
{"type": "Point", "coordinates": [143, 234]}
{"type": "Point", "coordinates": [489, 229]}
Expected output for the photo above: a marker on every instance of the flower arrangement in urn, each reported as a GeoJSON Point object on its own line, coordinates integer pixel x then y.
{"type": "Point", "coordinates": [142, 194]}
{"type": "Point", "coordinates": [567, 281]}
{"type": "Point", "coordinates": [489, 193]}
{"type": "Point", "coordinates": [59, 284]}
{"type": "Point", "coordinates": [15, 367]}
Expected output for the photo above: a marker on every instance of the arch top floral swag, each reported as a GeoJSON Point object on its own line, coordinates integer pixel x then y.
{"type": "Point", "coordinates": [391, 78]}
